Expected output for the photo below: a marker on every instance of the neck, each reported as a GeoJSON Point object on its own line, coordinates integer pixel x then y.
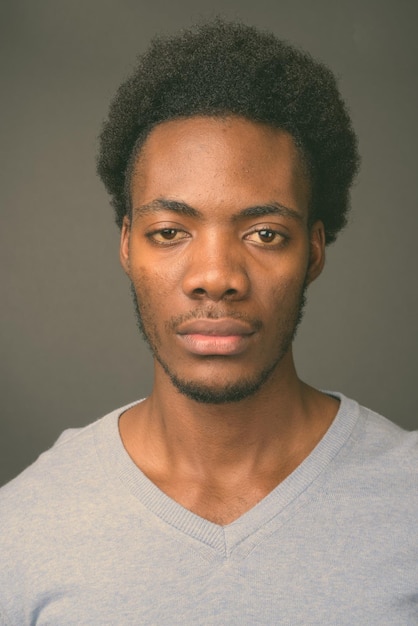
{"type": "Point", "coordinates": [220, 460]}
{"type": "Point", "coordinates": [279, 424]}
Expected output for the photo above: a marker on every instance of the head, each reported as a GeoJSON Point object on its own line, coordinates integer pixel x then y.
{"type": "Point", "coordinates": [228, 155]}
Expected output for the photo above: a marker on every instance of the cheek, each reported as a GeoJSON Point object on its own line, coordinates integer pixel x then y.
{"type": "Point", "coordinates": [150, 282]}
{"type": "Point", "coordinates": [282, 308]}
{"type": "Point", "coordinates": [286, 294]}
{"type": "Point", "coordinates": [281, 286]}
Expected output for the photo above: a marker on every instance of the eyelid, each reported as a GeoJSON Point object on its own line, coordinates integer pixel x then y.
{"type": "Point", "coordinates": [154, 233]}
{"type": "Point", "coordinates": [162, 224]}
{"type": "Point", "coordinates": [276, 228]}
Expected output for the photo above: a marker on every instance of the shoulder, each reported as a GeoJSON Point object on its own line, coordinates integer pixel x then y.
{"type": "Point", "coordinates": [382, 438]}
{"type": "Point", "coordinates": [376, 433]}
{"type": "Point", "coordinates": [54, 469]}
{"type": "Point", "coordinates": [53, 508]}
{"type": "Point", "coordinates": [69, 467]}
{"type": "Point", "coordinates": [379, 462]}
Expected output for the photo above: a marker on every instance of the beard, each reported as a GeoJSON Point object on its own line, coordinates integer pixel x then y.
{"type": "Point", "coordinates": [229, 392]}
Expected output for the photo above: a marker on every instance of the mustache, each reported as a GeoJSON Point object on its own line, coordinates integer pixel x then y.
{"type": "Point", "coordinates": [212, 314]}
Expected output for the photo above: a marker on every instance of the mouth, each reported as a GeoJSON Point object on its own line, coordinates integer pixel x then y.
{"type": "Point", "coordinates": [221, 337]}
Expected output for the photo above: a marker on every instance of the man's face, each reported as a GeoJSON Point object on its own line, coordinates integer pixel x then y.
{"type": "Point", "coordinates": [219, 252]}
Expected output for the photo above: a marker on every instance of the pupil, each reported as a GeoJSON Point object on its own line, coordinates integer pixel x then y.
{"type": "Point", "coordinates": [267, 235]}
{"type": "Point", "coordinates": [169, 233]}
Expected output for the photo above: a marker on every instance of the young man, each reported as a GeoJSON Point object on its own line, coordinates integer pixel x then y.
{"type": "Point", "coordinates": [235, 493]}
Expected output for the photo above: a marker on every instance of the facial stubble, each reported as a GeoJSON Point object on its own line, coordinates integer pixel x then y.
{"type": "Point", "coordinates": [229, 392]}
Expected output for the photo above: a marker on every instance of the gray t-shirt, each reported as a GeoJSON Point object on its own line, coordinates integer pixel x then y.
{"type": "Point", "coordinates": [87, 539]}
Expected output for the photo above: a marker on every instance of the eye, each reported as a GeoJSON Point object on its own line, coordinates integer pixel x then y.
{"type": "Point", "coordinates": [167, 236]}
{"type": "Point", "coordinates": [265, 236]}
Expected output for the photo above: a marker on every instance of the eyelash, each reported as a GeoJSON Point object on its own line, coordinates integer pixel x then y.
{"type": "Point", "coordinates": [171, 242]}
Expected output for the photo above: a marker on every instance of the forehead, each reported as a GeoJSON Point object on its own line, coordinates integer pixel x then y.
{"type": "Point", "coordinates": [229, 160]}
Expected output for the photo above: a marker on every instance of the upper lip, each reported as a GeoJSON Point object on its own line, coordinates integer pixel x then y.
{"type": "Point", "coordinates": [220, 327]}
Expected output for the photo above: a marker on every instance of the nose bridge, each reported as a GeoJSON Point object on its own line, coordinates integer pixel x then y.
{"type": "Point", "coordinates": [216, 267]}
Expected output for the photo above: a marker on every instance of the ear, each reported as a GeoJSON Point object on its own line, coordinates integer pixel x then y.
{"type": "Point", "coordinates": [316, 251]}
{"type": "Point", "coordinates": [124, 244]}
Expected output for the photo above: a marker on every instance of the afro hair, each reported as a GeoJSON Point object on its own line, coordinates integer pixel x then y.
{"type": "Point", "coordinates": [221, 68]}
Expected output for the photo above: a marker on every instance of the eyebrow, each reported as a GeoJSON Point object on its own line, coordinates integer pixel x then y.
{"type": "Point", "coordinates": [182, 208]}
{"type": "Point", "coordinates": [161, 204]}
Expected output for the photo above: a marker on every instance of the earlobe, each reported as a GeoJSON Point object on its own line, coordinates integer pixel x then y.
{"type": "Point", "coordinates": [317, 251]}
{"type": "Point", "coordinates": [124, 244]}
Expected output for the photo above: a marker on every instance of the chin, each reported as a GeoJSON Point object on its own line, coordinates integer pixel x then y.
{"type": "Point", "coordinates": [222, 393]}
{"type": "Point", "coordinates": [206, 394]}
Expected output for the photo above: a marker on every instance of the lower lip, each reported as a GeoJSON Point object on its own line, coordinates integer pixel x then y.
{"type": "Point", "coordinates": [211, 345]}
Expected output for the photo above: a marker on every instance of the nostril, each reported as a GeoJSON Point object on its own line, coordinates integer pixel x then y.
{"type": "Point", "coordinates": [230, 292]}
{"type": "Point", "coordinates": [199, 291]}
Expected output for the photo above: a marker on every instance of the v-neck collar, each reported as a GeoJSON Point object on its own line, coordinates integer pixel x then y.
{"type": "Point", "coordinates": [273, 509]}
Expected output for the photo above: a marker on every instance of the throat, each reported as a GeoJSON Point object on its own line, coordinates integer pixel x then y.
{"type": "Point", "coordinates": [223, 511]}
{"type": "Point", "coordinates": [225, 499]}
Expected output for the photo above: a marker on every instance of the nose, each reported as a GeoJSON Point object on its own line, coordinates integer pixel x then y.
{"type": "Point", "coordinates": [216, 271]}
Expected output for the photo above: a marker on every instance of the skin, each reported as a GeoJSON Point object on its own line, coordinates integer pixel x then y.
{"type": "Point", "coordinates": [209, 256]}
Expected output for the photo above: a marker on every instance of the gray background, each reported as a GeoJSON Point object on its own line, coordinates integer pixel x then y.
{"type": "Point", "coordinates": [69, 347]}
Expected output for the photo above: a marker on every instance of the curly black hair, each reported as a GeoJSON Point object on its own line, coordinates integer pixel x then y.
{"type": "Point", "coordinates": [221, 68]}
